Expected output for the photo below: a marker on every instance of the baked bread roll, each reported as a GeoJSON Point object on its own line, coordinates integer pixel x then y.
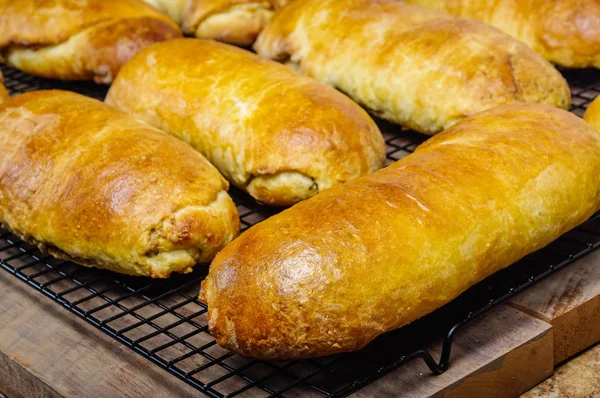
{"type": "Point", "coordinates": [230, 21]}
{"type": "Point", "coordinates": [566, 32]}
{"type": "Point", "coordinates": [421, 69]}
{"type": "Point", "coordinates": [334, 272]}
{"type": "Point", "coordinates": [281, 136]}
{"type": "Point", "coordinates": [78, 39]}
{"type": "Point", "coordinates": [88, 183]}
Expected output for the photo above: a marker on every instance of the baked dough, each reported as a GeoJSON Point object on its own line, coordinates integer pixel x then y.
{"type": "Point", "coordinates": [88, 183]}
{"type": "Point", "coordinates": [592, 114]}
{"type": "Point", "coordinates": [230, 21]}
{"type": "Point", "coordinates": [566, 32]}
{"type": "Point", "coordinates": [422, 69]}
{"type": "Point", "coordinates": [334, 272]}
{"type": "Point", "coordinates": [279, 135]}
{"type": "Point", "coordinates": [78, 39]}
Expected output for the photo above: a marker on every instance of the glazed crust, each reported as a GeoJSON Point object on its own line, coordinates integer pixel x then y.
{"type": "Point", "coordinates": [566, 32]}
{"type": "Point", "coordinates": [230, 21]}
{"type": "Point", "coordinates": [89, 183]}
{"type": "Point", "coordinates": [279, 135]}
{"type": "Point", "coordinates": [422, 69]}
{"type": "Point", "coordinates": [592, 114]}
{"type": "Point", "coordinates": [78, 40]}
{"type": "Point", "coordinates": [334, 272]}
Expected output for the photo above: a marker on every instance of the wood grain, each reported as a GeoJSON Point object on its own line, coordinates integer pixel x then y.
{"type": "Point", "coordinates": [570, 301]}
{"type": "Point", "coordinates": [577, 378]}
{"type": "Point", "coordinates": [501, 354]}
{"type": "Point", "coordinates": [47, 352]}
{"type": "Point", "coordinates": [40, 340]}
{"type": "Point", "coordinates": [17, 381]}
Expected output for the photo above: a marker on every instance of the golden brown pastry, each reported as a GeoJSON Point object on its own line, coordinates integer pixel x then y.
{"type": "Point", "coordinates": [421, 69]}
{"type": "Point", "coordinates": [3, 92]}
{"type": "Point", "coordinates": [88, 183]}
{"type": "Point", "coordinates": [273, 132]}
{"type": "Point", "coordinates": [592, 114]}
{"type": "Point", "coordinates": [230, 21]}
{"type": "Point", "coordinates": [566, 32]}
{"type": "Point", "coordinates": [78, 39]}
{"type": "Point", "coordinates": [334, 272]}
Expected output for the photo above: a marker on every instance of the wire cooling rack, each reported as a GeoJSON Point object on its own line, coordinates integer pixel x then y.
{"type": "Point", "coordinates": [163, 321]}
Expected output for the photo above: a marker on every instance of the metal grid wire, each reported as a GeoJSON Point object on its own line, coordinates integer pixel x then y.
{"type": "Point", "coordinates": [163, 321]}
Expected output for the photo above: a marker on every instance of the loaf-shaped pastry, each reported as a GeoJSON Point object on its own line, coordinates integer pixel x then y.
{"type": "Point", "coordinates": [78, 39]}
{"type": "Point", "coordinates": [422, 69]}
{"type": "Point", "coordinates": [230, 21]}
{"type": "Point", "coordinates": [91, 184]}
{"type": "Point", "coordinates": [566, 32]}
{"type": "Point", "coordinates": [334, 272]}
{"type": "Point", "coordinates": [273, 132]}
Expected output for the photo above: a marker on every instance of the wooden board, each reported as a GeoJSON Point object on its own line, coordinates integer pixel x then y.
{"type": "Point", "coordinates": [570, 301]}
{"type": "Point", "coordinates": [577, 378]}
{"type": "Point", "coordinates": [501, 354]}
{"type": "Point", "coordinates": [47, 352]}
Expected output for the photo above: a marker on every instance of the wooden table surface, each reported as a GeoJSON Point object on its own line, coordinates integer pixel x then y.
{"type": "Point", "coordinates": [47, 352]}
{"type": "Point", "coordinates": [577, 378]}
